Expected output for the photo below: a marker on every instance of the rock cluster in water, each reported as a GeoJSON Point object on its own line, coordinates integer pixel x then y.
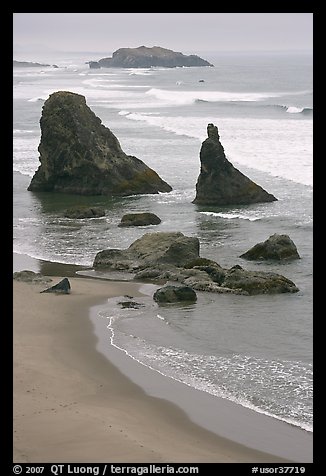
{"type": "Point", "coordinates": [172, 256]}
{"type": "Point", "coordinates": [79, 155]}
{"type": "Point", "coordinates": [219, 183]}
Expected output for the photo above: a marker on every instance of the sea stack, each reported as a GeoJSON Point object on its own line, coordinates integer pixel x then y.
{"type": "Point", "coordinates": [219, 183]}
{"type": "Point", "coordinates": [79, 155]}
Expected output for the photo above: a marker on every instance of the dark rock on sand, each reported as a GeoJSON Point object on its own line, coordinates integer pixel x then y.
{"type": "Point", "coordinates": [28, 276]}
{"type": "Point", "coordinates": [145, 57]}
{"type": "Point", "coordinates": [139, 219]}
{"type": "Point", "coordinates": [79, 155]}
{"type": "Point", "coordinates": [169, 294]}
{"type": "Point", "coordinates": [63, 287]}
{"type": "Point", "coordinates": [219, 183]}
{"type": "Point", "coordinates": [84, 212]}
{"type": "Point", "coordinates": [276, 247]}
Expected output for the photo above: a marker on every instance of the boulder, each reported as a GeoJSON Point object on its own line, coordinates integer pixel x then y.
{"type": "Point", "coordinates": [63, 287]}
{"type": "Point", "coordinates": [139, 219]}
{"type": "Point", "coordinates": [170, 294]}
{"type": "Point", "coordinates": [84, 212]}
{"type": "Point", "coordinates": [28, 276]}
{"type": "Point", "coordinates": [79, 155]}
{"type": "Point", "coordinates": [219, 183]}
{"type": "Point", "coordinates": [151, 249]}
{"type": "Point", "coordinates": [276, 247]}
{"type": "Point", "coordinates": [145, 57]}
{"type": "Point", "coordinates": [94, 64]}
{"type": "Point", "coordinates": [258, 282]}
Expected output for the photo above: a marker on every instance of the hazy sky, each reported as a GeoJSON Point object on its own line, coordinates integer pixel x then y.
{"type": "Point", "coordinates": [185, 32]}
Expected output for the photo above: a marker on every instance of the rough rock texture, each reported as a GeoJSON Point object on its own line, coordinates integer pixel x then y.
{"type": "Point", "coordinates": [170, 294]}
{"type": "Point", "coordinates": [79, 155]}
{"type": "Point", "coordinates": [151, 249]}
{"type": "Point", "coordinates": [84, 212]}
{"type": "Point", "coordinates": [63, 287]}
{"type": "Point", "coordinates": [174, 257]}
{"type": "Point", "coordinates": [28, 276]}
{"type": "Point", "coordinates": [145, 57]}
{"type": "Point", "coordinates": [276, 247]}
{"type": "Point", "coordinates": [139, 219]}
{"type": "Point", "coordinates": [219, 183]}
{"type": "Point", "coordinates": [258, 282]}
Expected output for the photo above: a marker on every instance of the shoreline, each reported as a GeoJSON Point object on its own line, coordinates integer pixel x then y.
{"type": "Point", "coordinates": [227, 419]}
{"type": "Point", "coordinates": [72, 403]}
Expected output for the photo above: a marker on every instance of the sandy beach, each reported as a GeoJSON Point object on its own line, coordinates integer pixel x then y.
{"type": "Point", "coordinates": [72, 405]}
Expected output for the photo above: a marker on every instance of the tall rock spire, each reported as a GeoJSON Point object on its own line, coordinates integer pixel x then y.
{"type": "Point", "coordinates": [219, 183]}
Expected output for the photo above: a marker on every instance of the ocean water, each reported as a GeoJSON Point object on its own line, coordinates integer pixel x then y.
{"type": "Point", "coordinates": [255, 351]}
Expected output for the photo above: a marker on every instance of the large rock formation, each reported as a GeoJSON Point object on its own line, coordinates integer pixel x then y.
{"type": "Point", "coordinates": [79, 155]}
{"type": "Point", "coordinates": [144, 57]}
{"type": "Point", "coordinates": [219, 183]}
{"type": "Point", "coordinates": [172, 256]}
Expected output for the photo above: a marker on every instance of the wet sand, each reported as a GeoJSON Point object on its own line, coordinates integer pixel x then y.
{"type": "Point", "coordinates": [71, 404]}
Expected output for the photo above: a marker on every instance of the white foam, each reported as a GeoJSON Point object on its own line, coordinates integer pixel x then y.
{"type": "Point", "coordinates": [173, 98]}
{"type": "Point", "coordinates": [25, 154]}
{"type": "Point", "coordinates": [294, 110]}
{"type": "Point", "coordinates": [231, 216]}
{"type": "Point", "coordinates": [38, 98]}
{"type": "Point", "coordinates": [188, 369]}
{"type": "Point", "coordinates": [110, 84]}
{"type": "Point", "coordinates": [280, 147]}
{"type": "Point", "coordinates": [160, 317]}
{"type": "Point", "coordinates": [22, 131]}
{"type": "Point", "coordinates": [123, 113]}
{"type": "Point", "coordinates": [141, 72]}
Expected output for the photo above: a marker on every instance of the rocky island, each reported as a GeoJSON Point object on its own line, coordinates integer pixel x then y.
{"type": "Point", "coordinates": [219, 183]}
{"type": "Point", "coordinates": [145, 57]}
{"type": "Point", "coordinates": [30, 64]}
{"type": "Point", "coordinates": [79, 155]}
